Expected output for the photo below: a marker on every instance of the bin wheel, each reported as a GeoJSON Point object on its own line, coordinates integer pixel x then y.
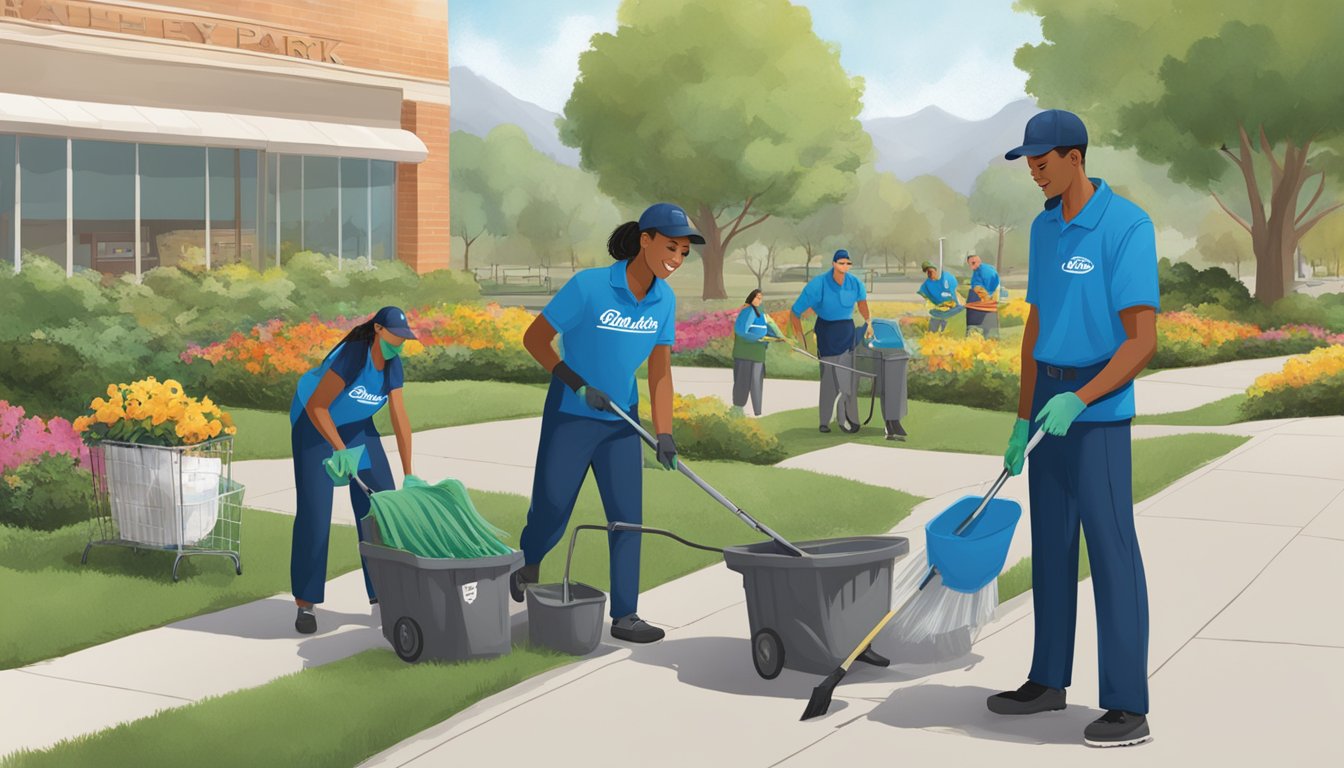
{"type": "Point", "coordinates": [407, 639]}
{"type": "Point", "coordinates": [767, 653]}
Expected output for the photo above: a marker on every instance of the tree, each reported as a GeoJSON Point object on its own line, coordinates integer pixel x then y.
{"type": "Point", "coordinates": [1221, 242]}
{"type": "Point", "coordinates": [947, 212]}
{"type": "Point", "coordinates": [1325, 244]}
{"type": "Point", "coordinates": [870, 215]}
{"type": "Point", "coordinates": [474, 210]}
{"type": "Point", "coordinates": [736, 111]}
{"type": "Point", "coordinates": [817, 232]}
{"type": "Point", "coordinates": [1209, 87]}
{"type": "Point", "coordinates": [757, 257]}
{"type": "Point", "coordinates": [1003, 200]}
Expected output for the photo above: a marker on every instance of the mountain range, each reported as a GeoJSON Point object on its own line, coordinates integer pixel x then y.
{"type": "Point", "coordinates": [929, 142]}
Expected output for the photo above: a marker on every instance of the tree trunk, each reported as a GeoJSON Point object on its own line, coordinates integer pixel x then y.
{"type": "Point", "coordinates": [711, 255]}
{"type": "Point", "coordinates": [998, 258]}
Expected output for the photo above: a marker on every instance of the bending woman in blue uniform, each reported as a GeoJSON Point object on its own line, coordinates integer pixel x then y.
{"type": "Point", "coordinates": [610, 319]}
{"type": "Point", "coordinates": [333, 438]}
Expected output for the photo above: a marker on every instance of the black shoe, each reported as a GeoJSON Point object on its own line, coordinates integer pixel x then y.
{"type": "Point", "coordinates": [306, 621]}
{"type": "Point", "coordinates": [899, 431]}
{"type": "Point", "coordinates": [869, 656]}
{"type": "Point", "coordinates": [825, 429]}
{"type": "Point", "coordinates": [520, 578]}
{"type": "Point", "coordinates": [373, 601]}
{"type": "Point", "coordinates": [1117, 728]}
{"type": "Point", "coordinates": [635, 630]}
{"type": "Point", "coordinates": [1027, 700]}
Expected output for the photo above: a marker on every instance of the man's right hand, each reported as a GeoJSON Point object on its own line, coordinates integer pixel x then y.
{"type": "Point", "coordinates": [1016, 455]}
{"type": "Point", "coordinates": [596, 398]}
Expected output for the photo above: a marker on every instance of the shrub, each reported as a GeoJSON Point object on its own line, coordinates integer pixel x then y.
{"type": "Point", "coordinates": [971, 371]}
{"type": "Point", "coordinates": [1308, 385]}
{"type": "Point", "coordinates": [705, 428]}
{"type": "Point", "coordinates": [48, 493]}
{"type": "Point", "coordinates": [1186, 339]}
{"type": "Point", "coordinates": [27, 438]}
{"type": "Point", "coordinates": [1181, 286]}
{"type": "Point", "coordinates": [448, 363]}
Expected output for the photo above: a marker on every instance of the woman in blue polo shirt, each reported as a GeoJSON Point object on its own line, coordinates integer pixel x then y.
{"type": "Point", "coordinates": [611, 320]}
{"type": "Point", "coordinates": [333, 438]}
{"type": "Point", "coordinates": [752, 332]}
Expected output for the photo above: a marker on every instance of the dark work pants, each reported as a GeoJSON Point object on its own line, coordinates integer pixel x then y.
{"type": "Point", "coordinates": [570, 446]}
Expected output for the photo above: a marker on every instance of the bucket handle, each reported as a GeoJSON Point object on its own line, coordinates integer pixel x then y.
{"type": "Point", "coordinates": [614, 528]}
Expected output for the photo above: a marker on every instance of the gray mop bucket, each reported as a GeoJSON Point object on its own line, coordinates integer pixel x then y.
{"type": "Point", "coordinates": [809, 613]}
{"type": "Point", "coordinates": [440, 609]}
{"type": "Point", "coordinates": [573, 627]}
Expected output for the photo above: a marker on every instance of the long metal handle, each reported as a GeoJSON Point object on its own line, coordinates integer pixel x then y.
{"type": "Point", "coordinates": [362, 485]}
{"type": "Point", "coordinates": [805, 353]}
{"type": "Point", "coordinates": [617, 527]}
{"type": "Point", "coordinates": [709, 489]}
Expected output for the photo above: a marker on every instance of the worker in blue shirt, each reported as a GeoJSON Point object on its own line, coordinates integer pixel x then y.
{"type": "Point", "coordinates": [982, 300]}
{"type": "Point", "coordinates": [833, 296]}
{"type": "Point", "coordinates": [1092, 327]}
{"type": "Point", "coordinates": [752, 333]}
{"type": "Point", "coordinates": [940, 290]}
{"type": "Point", "coordinates": [610, 320]}
{"type": "Point", "coordinates": [333, 438]}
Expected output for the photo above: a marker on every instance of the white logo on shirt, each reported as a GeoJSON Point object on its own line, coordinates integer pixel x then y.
{"type": "Point", "coordinates": [613, 320]}
{"type": "Point", "coordinates": [366, 397]}
{"type": "Point", "coordinates": [1078, 265]}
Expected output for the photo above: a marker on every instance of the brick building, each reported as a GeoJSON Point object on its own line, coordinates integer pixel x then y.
{"type": "Point", "coordinates": [134, 135]}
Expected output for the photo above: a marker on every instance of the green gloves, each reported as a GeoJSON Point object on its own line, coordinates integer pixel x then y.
{"type": "Point", "coordinates": [343, 465]}
{"type": "Point", "coordinates": [1060, 412]}
{"type": "Point", "coordinates": [413, 481]}
{"type": "Point", "coordinates": [1016, 454]}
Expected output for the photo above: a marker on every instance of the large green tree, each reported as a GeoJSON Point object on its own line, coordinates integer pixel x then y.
{"type": "Point", "coordinates": [1002, 202]}
{"type": "Point", "coordinates": [475, 210]}
{"type": "Point", "coordinates": [735, 110]}
{"type": "Point", "coordinates": [1210, 88]}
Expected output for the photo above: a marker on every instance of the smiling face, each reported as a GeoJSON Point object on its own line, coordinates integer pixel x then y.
{"type": "Point", "coordinates": [663, 255]}
{"type": "Point", "coordinates": [1055, 174]}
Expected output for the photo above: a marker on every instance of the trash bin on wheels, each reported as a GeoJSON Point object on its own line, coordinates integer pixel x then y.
{"type": "Point", "coordinates": [887, 356]}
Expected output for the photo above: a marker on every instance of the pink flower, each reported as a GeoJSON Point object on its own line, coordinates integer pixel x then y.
{"type": "Point", "coordinates": [24, 440]}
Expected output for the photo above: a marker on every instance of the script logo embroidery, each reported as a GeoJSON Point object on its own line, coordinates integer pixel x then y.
{"type": "Point", "coordinates": [613, 320]}
{"type": "Point", "coordinates": [1078, 265]}
{"type": "Point", "coordinates": [366, 397]}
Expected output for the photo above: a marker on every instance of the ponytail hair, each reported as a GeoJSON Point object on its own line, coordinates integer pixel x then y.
{"type": "Point", "coordinates": [623, 244]}
{"type": "Point", "coordinates": [360, 334]}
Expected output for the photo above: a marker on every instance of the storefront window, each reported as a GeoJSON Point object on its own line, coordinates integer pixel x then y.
{"type": "Point", "coordinates": [355, 209]}
{"type": "Point", "coordinates": [104, 206]}
{"type": "Point", "coordinates": [320, 190]}
{"type": "Point", "coordinates": [383, 188]}
{"type": "Point", "coordinates": [6, 200]}
{"type": "Point", "coordinates": [290, 179]}
{"type": "Point", "coordinates": [233, 207]}
{"type": "Point", "coordinates": [43, 192]}
{"type": "Point", "coordinates": [172, 206]}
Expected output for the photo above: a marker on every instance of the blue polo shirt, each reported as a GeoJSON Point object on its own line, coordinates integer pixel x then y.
{"type": "Point", "coordinates": [606, 334]}
{"type": "Point", "coordinates": [941, 290]}
{"type": "Point", "coordinates": [1082, 274]}
{"type": "Point", "coordinates": [985, 277]}
{"type": "Point", "coordinates": [830, 300]}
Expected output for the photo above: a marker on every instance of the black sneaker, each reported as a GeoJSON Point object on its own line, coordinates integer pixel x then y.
{"type": "Point", "coordinates": [1027, 700]}
{"type": "Point", "coordinates": [373, 601]}
{"type": "Point", "coordinates": [520, 578]}
{"type": "Point", "coordinates": [1117, 728]}
{"type": "Point", "coordinates": [899, 431]}
{"type": "Point", "coordinates": [635, 630]}
{"type": "Point", "coordinates": [306, 621]}
{"type": "Point", "coordinates": [825, 429]}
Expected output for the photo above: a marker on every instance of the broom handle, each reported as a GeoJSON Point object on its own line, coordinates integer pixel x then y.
{"type": "Point", "coordinates": [867, 641]}
{"type": "Point", "coordinates": [993, 491]}
{"type": "Point", "coordinates": [805, 353]}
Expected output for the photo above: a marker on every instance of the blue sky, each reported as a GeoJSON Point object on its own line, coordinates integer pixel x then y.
{"type": "Point", "coordinates": [956, 54]}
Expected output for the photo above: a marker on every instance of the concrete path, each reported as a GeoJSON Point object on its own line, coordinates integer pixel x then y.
{"type": "Point", "coordinates": [1181, 389]}
{"type": "Point", "coordinates": [1244, 558]}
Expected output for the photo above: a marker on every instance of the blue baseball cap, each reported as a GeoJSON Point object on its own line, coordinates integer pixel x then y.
{"type": "Point", "coordinates": [1048, 130]}
{"type": "Point", "coordinates": [840, 254]}
{"type": "Point", "coordinates": [670, 220]}
{"type": "Point", "coordinates": [394, 320]}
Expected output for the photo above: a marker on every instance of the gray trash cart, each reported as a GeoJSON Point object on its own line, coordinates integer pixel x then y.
{"type": "Point", "coordinates": [889, 364]}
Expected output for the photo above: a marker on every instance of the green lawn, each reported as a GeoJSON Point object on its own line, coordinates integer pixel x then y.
{"type": "Point", "coordinates": [1219, 413]}
{"type": "Point", "coordinates": [932, 427]}
{"type": "Point", "coordinates": [1158, 462]}
{"type": "Point", "coordinates": [65, 606]}
{"type": "Point", "coordinates": [431, 405]}
{"type": "Point", "coordinates": [396, 701]}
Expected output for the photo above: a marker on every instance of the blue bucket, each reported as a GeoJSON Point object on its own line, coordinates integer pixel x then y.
{"type": "Point", "coordinates": [887, 335]}
{"type": "Point", "coordinates": [969, 561]}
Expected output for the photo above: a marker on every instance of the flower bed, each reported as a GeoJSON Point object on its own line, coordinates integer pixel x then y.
{"type": "Point", "coordinates": [971, 371]}
{"type": "Point", "coordinates": [44, 483]}
{"type": "Point", "coordinates": [705, 428]}
{"type": "Point", "coordinates": [1308, 385]}
{"type": "Point", "coordinates": [1187, 339]}
{"type": "Point", "coordinates": [150, 412]}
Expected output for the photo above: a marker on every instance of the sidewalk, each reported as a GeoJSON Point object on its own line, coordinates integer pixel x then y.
{"type": "Point", "coordinates": [1243, 559]}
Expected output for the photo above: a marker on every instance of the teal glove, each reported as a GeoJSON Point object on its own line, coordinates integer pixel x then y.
{"type": "Point", "coordinates": [413, 481]}
{"type": "Point", "coordinates": [343, 465]}
{"type": "Point", "coordinates": [1060, 412]}
{"type": "Point", "coordinates": [1016, 454]}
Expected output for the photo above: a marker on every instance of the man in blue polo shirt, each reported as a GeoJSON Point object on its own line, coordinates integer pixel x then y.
{"type": "Point", "coordinates": [1091, 329]}
{"type": "Point", "coordinates": [833, 296]}
{"type": "Point", "coordinates": [982, 300]}
{"type": "Point", "coordinates": [940, 290]}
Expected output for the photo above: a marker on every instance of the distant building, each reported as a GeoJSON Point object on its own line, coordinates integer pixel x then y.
{"type": "Point", "coordinates": [134, 135]}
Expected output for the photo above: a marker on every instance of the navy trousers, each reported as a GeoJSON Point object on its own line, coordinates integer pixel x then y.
{"type": "Point", "coordinates": [312, 522]}
{"type": "Point", "coordinates": [570, 446]}
{"type": "Point", "coordinates": [1085, 478]}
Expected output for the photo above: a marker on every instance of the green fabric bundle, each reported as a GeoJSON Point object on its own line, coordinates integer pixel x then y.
{"type": "Point", "coordinates": [435, 521]}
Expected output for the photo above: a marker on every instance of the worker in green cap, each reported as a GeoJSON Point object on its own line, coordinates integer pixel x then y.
{"type": "Point", "coordinates": [939, 289]}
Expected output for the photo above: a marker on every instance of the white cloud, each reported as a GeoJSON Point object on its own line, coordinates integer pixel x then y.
{"type": "Point", "coordinates": [543, 75]}
{"type": "Point", "coordinates": [975, 87]}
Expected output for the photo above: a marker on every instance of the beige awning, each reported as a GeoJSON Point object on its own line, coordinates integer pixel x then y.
{"type": "Point", "coordinates": [156, 125]}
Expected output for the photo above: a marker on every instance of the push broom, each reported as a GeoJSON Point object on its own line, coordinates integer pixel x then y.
{"type": "Point", "coordinates": [966, 553]}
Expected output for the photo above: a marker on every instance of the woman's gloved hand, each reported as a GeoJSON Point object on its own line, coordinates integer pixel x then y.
{"type": "Point", "coordinates": [667, 451]}
{"type": "Point", "coordinates": [1059, 413]}
{"type": "Point", "coordinates": [343, 464]}
{"type": "Point", "coordinates": [413, 481]}
{"type": "Point", "coordinates": [1016, 455]}
{"type": "Point", "coordinates": [595, 398]}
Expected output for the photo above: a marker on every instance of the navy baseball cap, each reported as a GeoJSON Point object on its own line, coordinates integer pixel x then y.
{"type": "Point", "coordinates": [840, 254]}
{"type": "Point", "coordinates": [394, 320]}
{"type": "Point", "coordinates": [1048, 130]}
{"type": "Point", "coordinates": [670, 220]}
